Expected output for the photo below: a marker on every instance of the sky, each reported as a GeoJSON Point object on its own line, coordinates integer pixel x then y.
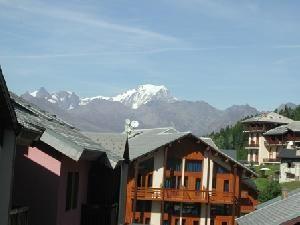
{"type": "Point", "coordinates": [224, 52]}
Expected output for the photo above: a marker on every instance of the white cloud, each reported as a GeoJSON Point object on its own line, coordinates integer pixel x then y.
{"type": "Point", "coordinates": [79, 17]}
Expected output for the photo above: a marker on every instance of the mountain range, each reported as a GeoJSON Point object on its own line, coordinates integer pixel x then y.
{"type": "Point", "coordinates": [151, 105]}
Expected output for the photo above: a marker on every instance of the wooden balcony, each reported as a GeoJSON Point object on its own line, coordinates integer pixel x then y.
{"type": "Point", "coordinates": [253, 144]}
{"type": "Point", "coordinates": [247, 208]}
{"type": "Point", "coordinates": [183, 195]}
{"type": "Point", "coordinates": [19, 216]}
{"type": "Point", "coordinates": [254, 129]}
{"type": "Point", "coordinates": [268, 160]}
{"type": "Point", "coordinates": [275, 142]}
{"type": "Point", "coordinates": [219, 220]}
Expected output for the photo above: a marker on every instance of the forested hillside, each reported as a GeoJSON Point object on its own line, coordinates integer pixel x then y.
{"type": "Point", "coordinates": [292, 113]}
{"type": "Point", "coordinates": [231, 137]}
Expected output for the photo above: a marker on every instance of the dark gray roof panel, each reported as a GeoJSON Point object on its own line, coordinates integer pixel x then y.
{"type": "Point", "coordinates": [6, 109]}
{"type": "Point", "coordinates": [275, 213]}
{"type": "Point", "coordinates": [57, 133]}
{"type": "Point", "coordinates": [289, 154]}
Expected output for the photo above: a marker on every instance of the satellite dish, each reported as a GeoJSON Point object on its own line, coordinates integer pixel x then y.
{"type": "Point", "coordinates": [134, 124]}
{"type": "Point", "coordinates": [127, 121]}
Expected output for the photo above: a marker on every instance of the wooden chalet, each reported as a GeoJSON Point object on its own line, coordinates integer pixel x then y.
{"type": "Point", "coordinates": [177, 178]}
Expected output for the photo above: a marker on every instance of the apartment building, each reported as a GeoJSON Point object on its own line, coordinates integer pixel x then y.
{"type": "Point", "coordinates": [176, 178]}
{"type": "Point", "coordinates": [287, 139]}
{"type": "Point", "coordinates": [261, 148]}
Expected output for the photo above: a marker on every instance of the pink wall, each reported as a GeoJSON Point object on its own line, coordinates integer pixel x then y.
{"type": "Point", "coordinates": [44, 160]}
{"type": "Point", "coordinates": [72, 216]}
{"type": "Point", "coordinates": [35, 186]}
{"type": "Point", "coordinates": [41, 183]}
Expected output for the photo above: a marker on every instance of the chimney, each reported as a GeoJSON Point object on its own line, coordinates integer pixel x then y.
{"type": "Point", "coordinates": [284, 193]}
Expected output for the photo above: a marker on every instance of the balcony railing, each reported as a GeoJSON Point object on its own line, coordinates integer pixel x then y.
{"type": "Point", "coordinates": [182, 195]}
{"type": "Point", "coordinates": [274, 142]}
{"type": "Point", "coordinates": [19, 216]}
{"type": "Point", "coordinates": [253, 144]}
{"type": "Point", "coordinates": [254, 129]}
{"type": "Point", "coordinates": [268, 160]}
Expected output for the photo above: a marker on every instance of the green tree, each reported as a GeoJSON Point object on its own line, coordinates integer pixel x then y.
{"type": "Point", "coordinates": [269, 191]}
{"type": "Point", "coordinates": [231, 138]}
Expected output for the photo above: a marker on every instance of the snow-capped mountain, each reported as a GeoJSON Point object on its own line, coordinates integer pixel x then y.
{"type": "Point", "coordinates": [64, 99]}
{"type": "Point", "coordinates": [137, 97]}
{"type": "Point", "coordinates": [133, 98]}
{"type": "Point", "coordinates": [152, 106]}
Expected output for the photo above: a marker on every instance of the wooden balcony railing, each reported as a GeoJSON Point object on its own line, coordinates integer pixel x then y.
{"type": "Point", "coordinates": [268, 160]}
{"type": "Point", "coordinates": [253, 144]}
{"type": "Point", "coordinates": [269, 141]}
{"type": "Point", "coordinates": [247, 208]}
{"type": "Point", "coordinates": [254, 128]}
{"type": "Point", "coordinates": [19, 216]}
{"type": "Point", "coordinates": [183, 195]}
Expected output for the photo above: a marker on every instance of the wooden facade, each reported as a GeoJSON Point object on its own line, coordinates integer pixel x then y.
{"type": "Point", "coordinates": [198, 185]}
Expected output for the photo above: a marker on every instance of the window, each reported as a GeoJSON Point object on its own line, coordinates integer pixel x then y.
{"type": "Point", "coordinates": [166, 222]}
{"type": "Point", "coordinates": [198, 184]}
{"type": "Point", "coordinates": [226, 186]}
{"type": "Point", "coordinates": [147, 221]}
{"type": "Point", "coordinates": [150, 178]}
{"type": "Point", "coordinates": [1, 136]}
{"type": "Point", "coordinates": [72, 190]}
{"type": "Point", "coordinates": [186, 180]}
{"type": "Point", "coordinates": [195, 222]}
{"type": "Point", "coordinates": [174, 164]}
{"type": "Point", "coordinates": [170, 182]}
{"type": "Point", "coordinates": [178, 182]}
{"type": "Point", "coordinates": [224, 223]}
{"type": "Point", "coordinates": [193, 166]}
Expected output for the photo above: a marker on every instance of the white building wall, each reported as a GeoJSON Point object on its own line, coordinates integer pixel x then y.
{"type": "Point", "coordinates": [206, 169]}
{"type": "Point", "coordinates": [284, 169]}
{"type": "Point", "coordinates": [158, 174]}
{"type": "Point", "coordinates": [262, 151]}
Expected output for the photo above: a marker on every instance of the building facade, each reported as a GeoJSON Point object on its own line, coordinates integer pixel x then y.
{"type": "Point", "coordinates": [178, 179]}
{"type": "Point", "coordinates": [260, 148]}
{"type": "Point", "coordinates": [8, 133]}
{"type": "Point", "coordinates": [59, 173]}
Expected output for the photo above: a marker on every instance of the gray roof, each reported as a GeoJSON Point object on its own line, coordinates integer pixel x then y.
{"type": "Point", "coordinates": [291, 193]}
{"type": "Point", "coordinates": [7, 113]}
{"type": "Point", "coordinates": [144, 141]}
{"type": "Point", "coordinates": [209, 141]}
{"type": "Point", "coordinates": [55, 132]}
{"type": "Point", "coordinates": [270, 117]}
{"type": "Point", "coordinates": [292, 126]}
{"type": "Point", "coordinates": [113, 142]}
{"type": "Point", "coordinates": [274, 213]}
{"type": "Point", "coordinates": [141, 141]}
{"type": "Point", "coordinates": [289, 154]}
{"type": "Point", "coordinates": [277, 130]}
{"type": "Point", "coordinates": [230, 152]}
